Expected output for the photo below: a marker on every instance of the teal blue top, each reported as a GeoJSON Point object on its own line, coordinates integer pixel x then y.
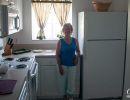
{"type": "Point", "coordinates": [67, 52]}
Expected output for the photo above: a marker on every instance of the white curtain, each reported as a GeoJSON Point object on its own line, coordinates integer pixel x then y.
{"type": "Point", "coordinates": [62, 12]}
{"type": "Point", "coordinates": [42, 11]}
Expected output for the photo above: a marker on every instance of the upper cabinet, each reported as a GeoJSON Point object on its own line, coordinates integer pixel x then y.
{"type": "Point", "coordinates": [15, 4]}
{"type": "Point", "coordinates": [8, 2]}
{"type": "Point", "coordinates": [19, 4]}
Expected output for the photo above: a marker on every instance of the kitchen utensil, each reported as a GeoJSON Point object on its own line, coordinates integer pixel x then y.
{"type": "Point", "coordinates": [11, 46]}
{"type": "Point", "coordinates": [10, 40]}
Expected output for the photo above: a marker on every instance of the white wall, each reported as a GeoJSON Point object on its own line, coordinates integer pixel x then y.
{"type": "Point", "coordinates": [25, 36]}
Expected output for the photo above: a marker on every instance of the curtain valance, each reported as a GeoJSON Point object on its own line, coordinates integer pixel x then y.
{"type": "Point", "coordinates": [52, 1]}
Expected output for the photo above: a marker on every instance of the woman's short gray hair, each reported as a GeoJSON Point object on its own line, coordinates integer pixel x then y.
{"type": "Point", "coordinates": [68, 25]}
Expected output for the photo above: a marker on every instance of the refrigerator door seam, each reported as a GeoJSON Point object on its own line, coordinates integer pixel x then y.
{"type": "Point", "coordinates": [105, 39]}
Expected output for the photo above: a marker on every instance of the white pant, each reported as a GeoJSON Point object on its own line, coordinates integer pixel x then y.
{"type": "Point", "coordinates": [67, 82]}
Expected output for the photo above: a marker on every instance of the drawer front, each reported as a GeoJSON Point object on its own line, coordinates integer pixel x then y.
{"type": "Point", "coordinates": [46, 61]}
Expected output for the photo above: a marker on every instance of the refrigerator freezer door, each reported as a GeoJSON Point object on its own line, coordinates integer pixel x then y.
{"type": "Point", "coordinates": [105, 25]}
{"type": "Point", "coordinates": [103, 69]}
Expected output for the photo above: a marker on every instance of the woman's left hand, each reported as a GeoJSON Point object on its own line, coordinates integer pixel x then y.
{"type": "Point", "coordinates": [76, 60]}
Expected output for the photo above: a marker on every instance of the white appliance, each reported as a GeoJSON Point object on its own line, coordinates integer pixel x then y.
{"type": "Point", "coordinates": [29, 89]}
{"type": "Point", "coordinates": [126, 95]}
{"type": "Point", "coordinates": [102, 38]}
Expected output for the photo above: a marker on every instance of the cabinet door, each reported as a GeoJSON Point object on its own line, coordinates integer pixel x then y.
{"type": "Point", "coordinates": [49, 78]}
{"type": "Point", "coordinates": [19, 5]}
{"type": "Point", "coordinates": [48, 81]}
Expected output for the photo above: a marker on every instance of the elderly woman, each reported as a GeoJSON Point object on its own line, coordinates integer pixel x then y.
{"type": "Point", "coordinates": [67, 56]}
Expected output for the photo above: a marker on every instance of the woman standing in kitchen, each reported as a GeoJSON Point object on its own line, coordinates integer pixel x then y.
{"type": "Point", "coordinates": [67, 56]}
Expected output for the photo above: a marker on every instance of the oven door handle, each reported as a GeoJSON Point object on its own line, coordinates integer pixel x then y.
{"type": "Point", "coordinates": [34, 70]}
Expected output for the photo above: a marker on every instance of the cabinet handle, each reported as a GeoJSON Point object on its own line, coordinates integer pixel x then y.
{"type": "Point", "coordinates": [34, 70]}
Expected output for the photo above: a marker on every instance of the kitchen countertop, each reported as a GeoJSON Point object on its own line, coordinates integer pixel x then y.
{"type": "Point", "coordinates": [44, 53]}
{"type": "Point", "coordinates": [20, 76]}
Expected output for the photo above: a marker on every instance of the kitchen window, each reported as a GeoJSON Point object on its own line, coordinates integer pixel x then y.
{"type": "Point", "coordinates": [52, 28]}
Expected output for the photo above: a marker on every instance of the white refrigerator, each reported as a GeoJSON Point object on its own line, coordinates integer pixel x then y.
{"type": "Point", "coordinates": [102, 40]}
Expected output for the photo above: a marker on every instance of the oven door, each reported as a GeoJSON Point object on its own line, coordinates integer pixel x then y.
{"type": "Point", "coordinates": [24, 93]}
{"type": "Point", "coordinates": [33, 82]}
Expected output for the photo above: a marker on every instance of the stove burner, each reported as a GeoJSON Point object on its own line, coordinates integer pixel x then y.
{"type": "Point", "coordinates": [23, 59]}
{"type": "Point", "coordinates": [21, 66]}
{"type": "Point", "coordinates": [8, 59]}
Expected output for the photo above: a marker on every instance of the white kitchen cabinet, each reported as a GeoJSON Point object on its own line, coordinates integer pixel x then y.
{"type": "Point", "coordinates": [3, 2]}
{"type": "Point", "coordinates": [47, 77]}
{"type": "Point", "coordinates": [49, 81]}
{"type": "Point", "coordinates": [8, 2]}
{"type": "Point", "coordinates": [19, 4]}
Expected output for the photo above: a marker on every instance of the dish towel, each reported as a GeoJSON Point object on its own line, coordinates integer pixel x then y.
{"type": "Point", "coordinates": [7, 86]}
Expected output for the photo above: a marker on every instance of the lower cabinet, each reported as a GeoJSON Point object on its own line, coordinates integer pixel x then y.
{"type": "Point", "coordinates": [49, 82]}
{"type": "Point", "coordinates": [48, 78]}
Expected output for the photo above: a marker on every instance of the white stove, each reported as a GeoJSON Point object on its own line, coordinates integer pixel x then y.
{"type": "Point", "coordinates": [22, 62]}
{"type": "Point", "coordinates": [32, 65]}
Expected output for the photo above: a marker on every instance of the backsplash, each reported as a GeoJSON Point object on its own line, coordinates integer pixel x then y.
{"type": "Point", "coordinates": [1, 44]}
{"type": "Point", "coordinates": [35, 46]}
{"type": "Point", "coordinates": [1, 47]}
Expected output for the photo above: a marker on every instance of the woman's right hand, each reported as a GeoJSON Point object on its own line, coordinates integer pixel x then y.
{"type": "Point", "coordinates": [61, 70]}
